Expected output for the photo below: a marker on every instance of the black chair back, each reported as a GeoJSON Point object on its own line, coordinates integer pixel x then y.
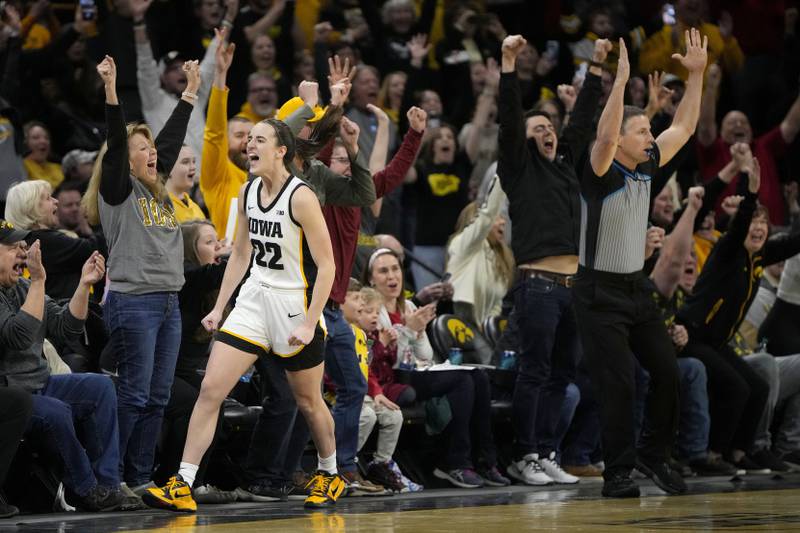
{"type": "Point", "coordinates": [493, 328]}
{"type": "Point", "coordinates": [447, 331]}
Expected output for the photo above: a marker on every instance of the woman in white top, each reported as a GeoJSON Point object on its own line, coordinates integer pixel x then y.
{"type": "Point", "coordinates": [479, 260]}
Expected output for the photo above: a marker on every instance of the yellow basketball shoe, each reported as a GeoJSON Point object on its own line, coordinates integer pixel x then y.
{"type": "Point", "coordinates": [325, 489]}
{"type": "Point", "coordinates": [176, 495]}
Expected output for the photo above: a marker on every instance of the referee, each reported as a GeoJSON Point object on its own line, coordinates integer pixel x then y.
{"type": "Point", "coordinates": [617, 319]}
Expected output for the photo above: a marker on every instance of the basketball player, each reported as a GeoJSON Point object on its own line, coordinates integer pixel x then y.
{"type": "Point", "coordinates": [277, 313]}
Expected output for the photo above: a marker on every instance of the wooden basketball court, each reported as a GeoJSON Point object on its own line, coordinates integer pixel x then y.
{"type": "Point", "coordinates": [754, 503]}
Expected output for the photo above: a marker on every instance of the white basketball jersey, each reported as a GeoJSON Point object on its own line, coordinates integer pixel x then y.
{"type": "Point", "coordinates": [281, 258]}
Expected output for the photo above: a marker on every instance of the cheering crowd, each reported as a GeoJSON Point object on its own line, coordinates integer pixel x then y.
{"type": "Point", "coordinates": [274, 207]}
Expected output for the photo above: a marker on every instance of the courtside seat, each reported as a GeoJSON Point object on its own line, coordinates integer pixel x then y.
{"type": "Point", "coordinates": [493, 328]}
{"type": "Point", "coordinates": [448, 331]}
{"type": "Point", "coordinates": [238, 417]}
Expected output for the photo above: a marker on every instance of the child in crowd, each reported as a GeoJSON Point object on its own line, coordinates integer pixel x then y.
{"type": "Point", "coordinates": [360, 309]}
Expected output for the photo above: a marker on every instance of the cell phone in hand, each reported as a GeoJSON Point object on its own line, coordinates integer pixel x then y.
{"type": "Point", "coordinates": [446, 277]}
{"type": "Point", "coordinates": [88, 8]}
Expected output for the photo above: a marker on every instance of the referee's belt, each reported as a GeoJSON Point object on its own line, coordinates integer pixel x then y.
{"type": "Point", "coordinates": [559, 279]}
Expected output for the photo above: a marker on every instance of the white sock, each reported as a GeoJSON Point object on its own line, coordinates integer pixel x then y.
{"type": "Point", "coordinates": [327, 464]}
{"type": "Point", "coordinates": [188, 471]}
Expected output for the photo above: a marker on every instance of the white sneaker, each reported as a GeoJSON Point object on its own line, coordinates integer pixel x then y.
{"type": "Point", "coordinates": [529, 471]}
{"type": "Point", "coordinates": [554, 470]}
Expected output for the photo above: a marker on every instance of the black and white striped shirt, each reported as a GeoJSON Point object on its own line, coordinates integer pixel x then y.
{"type": "Point", "coordinates": [614, 212]}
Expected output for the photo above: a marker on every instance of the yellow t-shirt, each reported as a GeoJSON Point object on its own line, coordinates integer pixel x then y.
{"type": "Point", "coordinates": [49, 172]}
{"type": "Point", "coordinates": [186, 209]}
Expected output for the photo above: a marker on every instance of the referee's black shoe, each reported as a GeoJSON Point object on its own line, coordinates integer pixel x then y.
{"type": "Point", "coordinates": [662, 475]}
{"type": "Point", "coordinates": [619, 485]}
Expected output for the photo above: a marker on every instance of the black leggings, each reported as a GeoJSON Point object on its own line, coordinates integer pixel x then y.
{"type": "Point", "coordinates": [469, 395]}
{"type": "Point", "coordinates": [781, 329]}
{"type": "Point", "coordinates": [737, 396]}
{"type": "Point", "coordinates": [15, 411]}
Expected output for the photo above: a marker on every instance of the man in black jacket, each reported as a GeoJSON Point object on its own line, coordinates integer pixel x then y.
{"type": "Point", "coordinates": [538, 173]}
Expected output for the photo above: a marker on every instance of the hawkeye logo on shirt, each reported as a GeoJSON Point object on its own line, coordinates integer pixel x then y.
{"type": "Point", "coordinates": [155, 214]}
{"type": "Point", "coordinates": [443, 184]}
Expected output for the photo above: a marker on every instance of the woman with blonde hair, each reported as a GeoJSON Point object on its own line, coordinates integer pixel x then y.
{"type": "Point", "coordinates": [127, 196]}
{"type": "Point", "coordinates": [479, 260]}
{"type": "Point", "coordinates": [30, 205]}
{"type": "Point", "coordinates": [390, 97]}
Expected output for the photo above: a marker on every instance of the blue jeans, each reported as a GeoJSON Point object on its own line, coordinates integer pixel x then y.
{"type": "Point", "coordinates": [695, 422]}
{"type": "Point", "coordinates": [341, 364]}
{"type": "Point", "coordinates": [549, 353]}
{"type": "Point", "coordinates": [145, 332]}
{"type": "Point", "coordinates": [85, 402]}
{"type": "Point", "coordinates": [572, 396]}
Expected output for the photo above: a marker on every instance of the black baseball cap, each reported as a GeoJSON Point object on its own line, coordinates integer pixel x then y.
{"type": "Point", "coordinates": [9, 234]}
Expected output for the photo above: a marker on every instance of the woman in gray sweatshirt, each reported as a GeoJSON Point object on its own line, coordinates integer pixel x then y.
{"type": "Point", "coordinates": [127, 196]}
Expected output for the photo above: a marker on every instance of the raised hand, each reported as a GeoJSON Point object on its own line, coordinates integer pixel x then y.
{"type": "Point", "coordinates": [380, 114]}
{"type": "Point", "coordinates": [308, 91]}
{"type": "Point", "coordinates": [567, 94]}
{"type": "Point", "coordinates": [93, 269]}
{"type": "Point", "coordinates": [742, 156]}
{"type": "Point", "coordinates": [417, 119]}
{"type": "Point", "coordinates": [754, 177]}
{"type": "Point", "coordinates": [512, 46]}
{"type": "Point", "coordinates": [654, 240]}
{"type": "Point", "coordinates": [340, 92]}
{"type": "Point", "coordinates": [223, 58]}
{"type": "Point", "coordinates": [417, 320]}
{"type": "Point", "coordinates": [658, 96]}
{"type": "Point", "coordinates": [696, 52]}
{"type": "Point", "coordinates": [33, 262]}
{"type": "Point", "coordinates": [623, 65]}
{"type": "Point", "coordinates": [696, 197]}
{"type": "Point", "coordinates": [107, 70]}
{"type": "Point", "coordinates": [192, 70]}
{"type": "Point", "coordinates": [348, 131]}
{"type": "Point", "coordinates": [418, 47]}
{"type": "Point", "coordinates": [338, 71]}
{"type": "Point", "coordinates": [322, 32]}
{"type": "Point", "coordinates": [492, 75]}
{"type": "Point", "coordinates": [601, 49]}
{"type": "Point", "coordinates": [730, 204]}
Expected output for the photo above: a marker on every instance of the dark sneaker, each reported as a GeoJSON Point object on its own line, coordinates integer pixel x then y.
{"type": "Point", "coordinates": [767, 459]}
{"type": "Point", "coordinates": [176, 495]}
{"type": "Point", "coordinates": [382, 474]}
{"type": "Point", "coordinates": [747, 464]}
{"type": "Point", "coordinates": [262, 492]}
{"type": "Point", "coordinates": [713, 466]}
{"type": "Point", "coordinates": [210, 494]}
{"type": "Point", "coordinates": [325, 489]}
{"type": "Point", "coordinates": [7, 511]}
{"type": "Point", "coordinates": [792, 459]}
{"type": "Point", "coordinates": [101, 499]}
{"type": "Point", "coordinates": [299, 488]}
{"type": "Point", "coordinates": [620, 485]}
{"type": "Point", "coordinates": [493, 478]}
{"type": "Point", "coordinates": [462, 478]}
{"type": "Point", "coordinates": [662, 475]}
{"type": "Point", "coordinates": [680, 467]}
{"type": "Point", "coordinates": [358, 486]}
{"type": "Point", "coordinates": [130, 500]}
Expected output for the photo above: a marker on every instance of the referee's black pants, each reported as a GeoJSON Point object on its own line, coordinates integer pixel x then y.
{"type": "Point", "coordinates": [620, 324]}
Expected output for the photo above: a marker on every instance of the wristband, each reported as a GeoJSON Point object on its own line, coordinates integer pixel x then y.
{"type": "Point", "coordinates": [190, 96]}
{"type": "Point", "coordinates": [594, 63]}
